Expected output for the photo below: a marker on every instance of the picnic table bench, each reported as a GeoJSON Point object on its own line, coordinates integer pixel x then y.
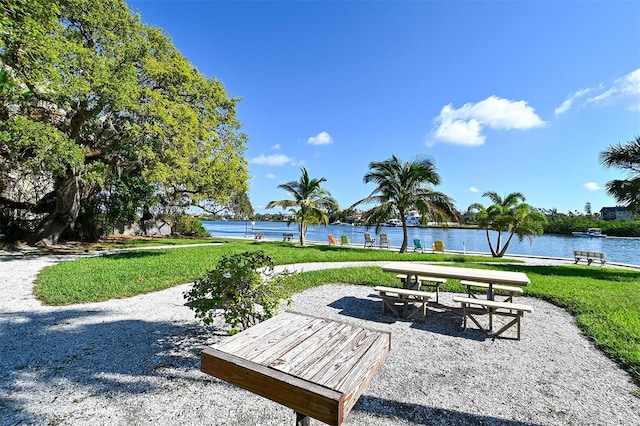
{"type": "Point", "coordinates": [433, 282]}
{"type": "Point", "coordinates": [259, 235]}
{"type": "Point", "coordinates": [392, 295]}
{"type": "Point", "coordinates": [471, 307]}
{"type": "Point", "coordinates": [505, 288]}
{"type": "Point", "coordinates": [316, 366]}
{"type": "Point", "coordinates": [589, 256]}
{"type": "Point", "coordinates": [287, 236]}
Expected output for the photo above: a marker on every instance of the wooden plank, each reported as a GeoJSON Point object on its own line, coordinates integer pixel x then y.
{"type": "Point", "coordinates": [302, 396]}
{"type": "Point", "coordinates": [495, 286]}
{"type": "Point", "coordinates": [357, 382]}
{"type": "Point", "coordinates": [274, 349]}
{"type": "Point", "coordinates": [303, 359]}
{"type": "Point", "coordinates": [254, 340]}
{"type": "Point", "coordinates": [494, 304]}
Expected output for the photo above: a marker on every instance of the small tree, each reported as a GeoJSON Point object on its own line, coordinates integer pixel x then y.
{"type": "Point", "coordinates": [508, 215]}
{"type": "Point", "coordinates": [402, 186]}
{"type": "Point", "coordinates": [310, 199]}
{"type": "Point", "coordinates": [244, 289]}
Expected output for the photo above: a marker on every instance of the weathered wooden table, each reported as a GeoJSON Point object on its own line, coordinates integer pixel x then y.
{"type": "Point", "coordinates": [488, 276]}
{"type": "Point", "coordinates": [316, 366]}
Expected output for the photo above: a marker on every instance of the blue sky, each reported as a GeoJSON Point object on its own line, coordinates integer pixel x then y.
{"type": "Point", "coordinates": [503, 96]}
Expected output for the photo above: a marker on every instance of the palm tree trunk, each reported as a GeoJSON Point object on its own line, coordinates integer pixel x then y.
{"type": "Point", "coordinates": [405, 236]}
{"type": "Point", "coordinates": [493, 252]}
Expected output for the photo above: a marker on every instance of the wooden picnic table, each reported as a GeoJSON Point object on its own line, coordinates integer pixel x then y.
{"type": "Point", "coordinates": [316, 366]}
{"type": "Point", "coordinates": [488, 276]}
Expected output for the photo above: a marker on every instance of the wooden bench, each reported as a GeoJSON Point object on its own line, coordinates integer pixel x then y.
{"type": "Point", "coordinates": [471, 307]}
{"type": "Point", "coordinates": [287, 237]}
{"type": "Point", "coordinates": [506, 288]}
{"type": "Point", "coordinates": [422, 281]}
{"type": "Point", "coordinates": [259, 235]}
{"type": "Point", "coordinates": [391, 296]}
{"type": "Point", "coordinates": [589, 256]}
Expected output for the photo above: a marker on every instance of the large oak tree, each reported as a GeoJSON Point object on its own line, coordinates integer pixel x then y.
{"type": "Point", "coordinates": [97, 107]}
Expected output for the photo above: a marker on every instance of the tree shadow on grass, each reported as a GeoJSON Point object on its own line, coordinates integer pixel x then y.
{"type": "Point", "coordinates": [83, 352]}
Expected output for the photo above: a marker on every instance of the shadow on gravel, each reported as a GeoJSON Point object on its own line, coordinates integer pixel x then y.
{"type": "Point", "coordinates": [65, 354]}
{"type": "Point", "coordinates": [440, 319]}
{"type": "Point", "coordinates": [419, 414]}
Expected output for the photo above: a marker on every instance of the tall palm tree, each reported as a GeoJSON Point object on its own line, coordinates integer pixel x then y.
{"type": "Point", "coordinates": [626, 157]}
{"type": "Point", "coordinates": [311, 201]}
{"type": "Point", "coordinates": [508, 215]}
{"type": "Point", "coordinates": [401, 187]}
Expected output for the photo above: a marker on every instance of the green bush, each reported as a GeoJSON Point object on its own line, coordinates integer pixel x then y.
{"type": "Point", "coordinates": [188, 226]}
{"type": "Point", "coordinates": [244, 289]}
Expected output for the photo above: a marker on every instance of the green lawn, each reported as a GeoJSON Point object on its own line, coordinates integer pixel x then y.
{"type": "Point", "coordinates": [605, 301]}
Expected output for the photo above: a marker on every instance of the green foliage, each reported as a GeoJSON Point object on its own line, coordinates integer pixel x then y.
{"type": "Point", "coordinates": [187, 226]}
{"type": "Point", "coordinates": [243, 285]}
{"type": "Point", "coordinates": [560, 223]}
{"type": "Point", "coordinates": [310, 200]}
{"type": "Point", "coordinates": [401, 187]}
{"type": "Point", "coordinates": [508, 215]}
{"type": "Point", "coordinates": [627, 158]}
{"type": "Point", "coordinates": [113, 105]}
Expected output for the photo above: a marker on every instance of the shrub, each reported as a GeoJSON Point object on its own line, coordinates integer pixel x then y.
{"type": "Point", "coordinates": [244, 289]}
{"type": "Point", "coordinates": [188, 226]}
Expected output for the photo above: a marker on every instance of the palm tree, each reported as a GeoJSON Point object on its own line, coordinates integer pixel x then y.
{"type": "Point", "coordinates": [626, 157]}
{"type": "Point", "coordinates": [509, 215]}
{"type": "Point", "coordinates": [311, 201]}
{"type": "Point", "coordinates": [401, 187]}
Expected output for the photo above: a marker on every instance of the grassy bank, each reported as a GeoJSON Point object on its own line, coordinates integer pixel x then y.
{"type": "Point", "coordinates": [605, 301]}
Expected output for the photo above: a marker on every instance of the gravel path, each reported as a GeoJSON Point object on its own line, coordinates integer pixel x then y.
{"type": "Point", "coordinates": [136, 361]}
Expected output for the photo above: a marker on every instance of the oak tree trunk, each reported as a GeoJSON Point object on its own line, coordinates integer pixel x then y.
{"type": "Point", "coordinates": [65, 213]}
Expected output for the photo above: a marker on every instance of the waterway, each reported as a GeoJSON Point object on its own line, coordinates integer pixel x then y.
{"type": "Point", "coordinates": [620, 250]}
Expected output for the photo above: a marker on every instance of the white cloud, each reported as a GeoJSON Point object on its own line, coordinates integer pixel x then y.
{"type": "Point", "coordinates": [592, 186]}
{"type": "Point", "coordinates": [623, 89]}
{"type": "Point", "coordinates": [276, 146]}
{"type": "Point", "coordinates": [322, 138]}
{"type": "Point", "coordinates": [474, 189]}
{"type": "Point", "coordinates": [270, 176]}
{"type": "Point", "coordinates": [271, 160]}
{"type": "Point", "coordinates": [566, 105]}
{"type": "Point", "coordinates": [464, 126]}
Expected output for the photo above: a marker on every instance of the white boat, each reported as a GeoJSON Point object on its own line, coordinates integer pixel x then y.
{"type": "Point", "coordinates": [393, 222]}
{"type": "Point", "coordinates": [414, 218]}
{"type": "Point", "coordinates": [590, 233]}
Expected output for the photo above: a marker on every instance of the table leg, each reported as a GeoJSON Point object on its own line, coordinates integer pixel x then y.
{"type": "Point", "coordinates": [490, 296]}
{"type": "Point", "coordinates": [302, 420]}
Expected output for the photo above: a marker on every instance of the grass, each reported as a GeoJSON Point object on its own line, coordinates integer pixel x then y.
{"type": "Point", "coordinates": [130, 273]}
{"type": "Point", "coordinates": [605, 301]}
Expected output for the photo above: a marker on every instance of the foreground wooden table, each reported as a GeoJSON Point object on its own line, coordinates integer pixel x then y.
{"type": "Point", "coordinates": [316, 366]}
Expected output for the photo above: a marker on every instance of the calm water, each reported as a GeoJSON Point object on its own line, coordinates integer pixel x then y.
{"type": "Point", "coordinates": [623, 250]}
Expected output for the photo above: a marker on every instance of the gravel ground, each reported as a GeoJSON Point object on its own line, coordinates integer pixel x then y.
{"type": "Point", "coordinates": [136, 361]}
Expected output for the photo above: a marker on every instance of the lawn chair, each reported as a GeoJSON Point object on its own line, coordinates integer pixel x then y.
{"type": "Point", "coordinates": [368, 241]}
{"type": "Point", "coordinates": [384, 241]}
{"type": "Point", "coordinates": [332, 241]}
{"type": "Point", "coordinates": [438, 245]}
{"type": "Point", "coordinates": [417, 245]}
{"type": "Point", "coordinates": [344, 240]}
